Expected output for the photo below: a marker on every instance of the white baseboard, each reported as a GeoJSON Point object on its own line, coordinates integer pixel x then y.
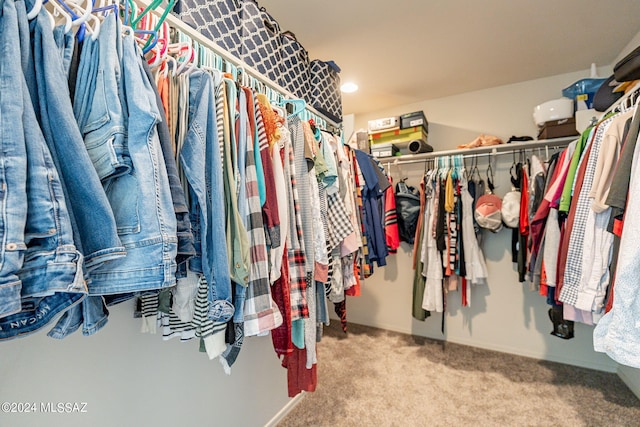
{"type": "Point", "coordinates": [567, 360]}
{"type": "Point", "coordinates": [606, 367]}
{"type": "Point", "coordinates": [273, 422]}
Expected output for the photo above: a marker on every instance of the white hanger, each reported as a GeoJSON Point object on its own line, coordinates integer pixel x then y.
{"type": "Point", "coordinates": [58, 10]}
{"type": "Point", "coordinates": [34, 10]}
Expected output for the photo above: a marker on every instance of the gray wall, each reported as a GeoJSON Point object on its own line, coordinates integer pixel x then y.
{"type": "Point", "coordinates": [505, 315]}
{"type": "Point", "coordinates": [133, 379]}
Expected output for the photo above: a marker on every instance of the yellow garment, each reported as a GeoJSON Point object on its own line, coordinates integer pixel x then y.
{"type": "Point", "coordinates": [448, 195]}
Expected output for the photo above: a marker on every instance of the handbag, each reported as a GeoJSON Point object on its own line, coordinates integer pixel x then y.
{"type": "Point", "coordinates": [628, 68]}
{"type": "Point", "coordinates": [296, 71]}
{"type": "Point", "coordinates": [260, 40]}
{"type": "Point", "coordinates": [218, 20]}
{"type": "Point", "coordinates": [325, 93]}
{"type": "Point", "coordinates": [408, 210]}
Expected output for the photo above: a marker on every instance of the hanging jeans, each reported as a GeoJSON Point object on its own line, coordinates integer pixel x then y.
{"type": "Point", "coordinates": [186, 249]}
{"type": "Point", "coordinates": [140, 199]}
{"type": "Point", "coordinates": [103, 130]}
{"type": "Point", "coordinates": [94, 224]}
{"type": "Point", "coordinates": [200, 159]}
{"type": "Point", "coordinates": [13, 168]}
{"type": "Point", "coordinates": [65, 43]}
{"type": "Point", "coordinates": [117, 115]}
{"type": "Point", "coordinates": [100, 115]}
{"type": "Point", "coordinates": [51, 275]}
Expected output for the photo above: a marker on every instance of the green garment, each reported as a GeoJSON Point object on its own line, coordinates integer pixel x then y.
{"type": "Point", "coordinates": [237, 238]}
{"type": "Point", "coordinates": [418, 279]}
{"type": "Point", "coordinates": [565, 199]}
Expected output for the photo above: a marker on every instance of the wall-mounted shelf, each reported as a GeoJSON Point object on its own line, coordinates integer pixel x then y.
{"type": "Point", "coordinates": [482, 151]}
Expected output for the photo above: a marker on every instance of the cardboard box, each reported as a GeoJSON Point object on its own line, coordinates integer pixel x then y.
{"type": "Point", "coordinates": [399, 135]}
{"type": "Point", "coordinates": [414, 119]}
{"type": "Point", "coordinates": [384, 150]}
{"type": "Point", "coordinates": [558, 129]}
{"type": "Point", "coordinates": [388, 123]}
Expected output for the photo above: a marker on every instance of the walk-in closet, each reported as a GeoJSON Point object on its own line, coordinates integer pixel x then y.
{"type": "Point", "coordinates": [275, 213]}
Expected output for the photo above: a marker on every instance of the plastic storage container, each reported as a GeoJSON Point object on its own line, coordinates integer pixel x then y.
{"type": "Point", "coordinates": [582, 92]}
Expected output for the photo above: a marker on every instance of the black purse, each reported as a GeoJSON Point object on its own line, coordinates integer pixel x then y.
{"type": "Point", "coordinates": [408, 210]}
{"type": "Point", "coordinates": [628, 68]}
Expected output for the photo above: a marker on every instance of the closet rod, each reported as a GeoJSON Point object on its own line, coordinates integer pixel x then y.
{"type": "Point", "coordinates": [494, 150]}
{"type": "Point", "coordinates": [176, 23]}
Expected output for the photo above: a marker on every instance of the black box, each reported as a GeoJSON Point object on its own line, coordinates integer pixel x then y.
{"type": "Point", "coordinates": [416, 118]}
{"type": "Point", "coordinates": [384, 150]}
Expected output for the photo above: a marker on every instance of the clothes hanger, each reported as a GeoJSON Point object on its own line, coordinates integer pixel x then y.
{"type": "Point", "coordinates": [37, 5]}
{"type": "Point", "coordinates": [58, 11]}
{"type": "Point", "coordinates": [79, 16]}
{"type": "Point", "coordinates": [299, 105]}
{"type": "Point", "coordinates": [170, 60]}
{"type": "Point", "coordinates": [152, 6]}
{"type": "Point", "coordinates": [279, 110]}
{"type": "Point", "coordinates": [158, 57]}
{"type": "Point", "coordinates": [105, 9]}
{"type": "Point", "coordinates": [489, 172]}
{"type": "Point", "coordinates": [163, 17]}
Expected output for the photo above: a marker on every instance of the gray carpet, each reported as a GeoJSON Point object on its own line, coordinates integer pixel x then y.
{"type": "Point", "coordinates": [372, 377]}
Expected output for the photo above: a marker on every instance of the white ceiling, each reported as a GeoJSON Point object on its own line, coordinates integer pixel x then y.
{"type": "Point", "coordinates": [405, 51]}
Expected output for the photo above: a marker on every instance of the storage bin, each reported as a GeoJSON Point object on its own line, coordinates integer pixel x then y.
{"type": "Point", "coordinates": [325, 93]}
{"type": "Point", "coordinates": [260, 40]}
{"type": "Point", "coordinates": [295, 67]}
{"type": "Point", "coordinates": [218, 20]}
{"type": "Point", "coordinates": [416, 118]}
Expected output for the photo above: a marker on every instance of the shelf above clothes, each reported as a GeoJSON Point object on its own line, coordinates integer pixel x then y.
{"type": "Point", "coordinates": [493, 150]}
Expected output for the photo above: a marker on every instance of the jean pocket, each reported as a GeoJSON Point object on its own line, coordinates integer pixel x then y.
{"type": "Point", "coordinates": [122, 192]}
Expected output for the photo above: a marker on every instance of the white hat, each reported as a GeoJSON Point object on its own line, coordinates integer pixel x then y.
{"type": "Point", "coordinates": [487, 212]}
{"type": "Point", "coordinates": [511, 209]}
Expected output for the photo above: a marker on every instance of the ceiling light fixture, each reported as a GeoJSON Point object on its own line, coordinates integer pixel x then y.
{"type": "Point", "coordinates": [349, 87]}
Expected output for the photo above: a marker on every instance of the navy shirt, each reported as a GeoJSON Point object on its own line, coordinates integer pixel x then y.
{"type": "Point", "coordinates": [371, 196]}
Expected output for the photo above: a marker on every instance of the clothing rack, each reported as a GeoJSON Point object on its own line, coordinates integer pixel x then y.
{"type": "Point", "coordinates": [494, 150]}
{"type": "Point", "coordinates": [174, 22]}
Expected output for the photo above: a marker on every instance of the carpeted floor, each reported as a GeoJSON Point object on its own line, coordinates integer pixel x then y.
{"type": "Point", "coordinates": [373, 377]}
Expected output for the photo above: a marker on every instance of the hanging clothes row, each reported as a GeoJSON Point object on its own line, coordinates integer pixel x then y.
{"type": "Point", "coordinates": [447, 255]}
{"type": "Point", "coordinates": [172, 183]}
{"type": "Point", "coordinates": [574, 242]}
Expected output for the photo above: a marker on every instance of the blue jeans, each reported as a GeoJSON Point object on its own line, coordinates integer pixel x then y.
{"type": "Point", "coordinates": [93, 220]}
{"type": "Point", "coordinates": [101, 116]}
{"type": "Point", "coordinates": [141, 198]}
{"type": "Point", "coordinates": [52, 278]}
{"type": "Point", "coordinates": [64, 41]}
{"type": "Point", "coordinates": [186, 249]}
{"type": "Point", "coordinates": [93, 223]}
{"type": "Point", "coordinates": [13, 168]}
{"type": "Point", "coordinates": [201, 162]}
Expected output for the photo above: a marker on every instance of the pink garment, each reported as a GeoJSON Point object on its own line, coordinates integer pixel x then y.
{"type": "Point", "coordinates": [555, 189]}
{"type": "Point", "coordinates": [569, 312]}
